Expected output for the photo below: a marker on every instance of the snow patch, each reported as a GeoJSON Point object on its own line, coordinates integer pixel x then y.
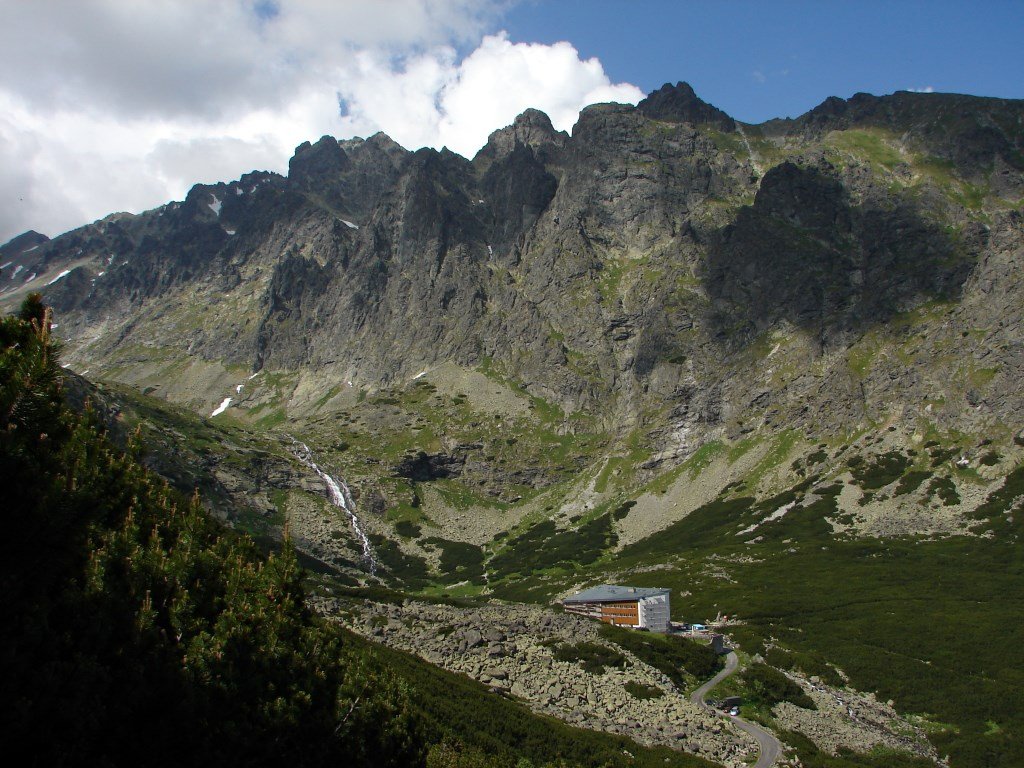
{"type": "Point", "coordinates": [101, 274]}
{"type": "Point", "coordinates": [239, 191]}
{"type": "Point", "coordinates": [29, 250]}
{"type": "Point", "coordinates": [30, 278]}
{"type": "Point", "coordinates": [253, 376]}
{"type": "Point", "coordinates": [221, 408]}
{"type": "Point", "coordinates": [17, 269]}
{"type": "Point", "coordinates": [490, 251]}
{"type": "Point", "coordinates": [230, 231]}
{"type": "Point", "coordinates": [419, 375]}
{"type": "Point", "coordinates": [215, 205]}
{"type": "Point", "coordinates": [349, 224]}
{"type": "Point", "coordinates": [5, 266]}
{"type": "Point", "coordinates": [238, 389]}
{"type": "Point", "coordinates": [65, 273]}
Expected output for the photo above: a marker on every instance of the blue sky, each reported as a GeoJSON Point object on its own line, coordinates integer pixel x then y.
{"type": "Point", "coordinates": [758, 60]}
{"type": "Point", "coordinates": [128, 104]}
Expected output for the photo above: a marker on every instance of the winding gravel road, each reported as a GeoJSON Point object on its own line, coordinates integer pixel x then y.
{"type": "Point", "coordinates": [771, 748]}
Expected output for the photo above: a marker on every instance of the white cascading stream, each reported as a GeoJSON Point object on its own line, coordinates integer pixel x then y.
{"type": "Point", "coordinates": [340, 497]}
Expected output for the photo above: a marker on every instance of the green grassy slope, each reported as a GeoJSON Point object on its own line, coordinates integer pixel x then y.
{"type": "Point", "coordinates": [932, 624]}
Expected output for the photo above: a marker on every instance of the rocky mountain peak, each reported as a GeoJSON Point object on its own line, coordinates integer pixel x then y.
{"type": "Point", "coordinates": [348, 177]}
{"type": "Point", "coordinates": [534, 118]}
{"type": "Point", "coordinates": [314, 161]}
{"type": "Point", "coordinates": [532, 128]}
{"type": "Point", "coordinates": [680, 104]}
{"type": "Point", "coordinates": [25, 240]}
{"type": "Point", "coordinates": [381, 142]}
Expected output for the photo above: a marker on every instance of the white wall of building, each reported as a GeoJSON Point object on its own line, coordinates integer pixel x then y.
{"type": "Point", "coordinates": [654, 613]}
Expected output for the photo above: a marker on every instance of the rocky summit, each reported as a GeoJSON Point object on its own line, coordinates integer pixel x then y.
{"type": "Point", "coordinates": [774, 367]}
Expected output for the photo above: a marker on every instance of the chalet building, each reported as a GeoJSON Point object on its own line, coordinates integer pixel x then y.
{"type": "Point", "coordinates": [635, 607]}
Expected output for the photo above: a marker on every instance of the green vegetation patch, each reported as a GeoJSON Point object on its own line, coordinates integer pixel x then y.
{"type": "Point", "coordinates": [594, 657]}
{"type": "Point", "coordinates": [780, 448]}
{"type": "Point", "coordinates": [806, 521]}
{"type": "Point", "coordinates": [768, 686]}
{"type": "Point", "coordinates": [808, 662]}
{"type": "Point", "coordinates": [739, 449]}
{"type": "Point", "coordinates": [812, 757]}
{"type": "Point", "coordinates": [724, 518]}
{"type": "Point", "coordinates": [543, 546]}
{"type": "Point", "coordinates": [702, 526]}
{"type": "Point", "coordinates": [408, 529]}
{"type": "Point", "coordinates": [699, 461]}
{"type": "Point", "coordinates": [675, 657]}
{"type": "Point", "coordinates": [885, 469]}
{"type": "Point", "coordinates": [990, 459]}
{"type": "Point", "coordinates": [410, 570]}
{"type": "Point", "coordinates": [623, 509]}
{"type": "Point", "coordinates": [460, 561]}
{"type": "Point", "coordinates": [910, 482]}
{"type": "Point", "coordinates": [459, 495]}
{"type": "Point", "coordinates": [817, 457]}
{"type": "Point", "coordinates": [1008, 499]}
{"type": "Point", "coordinates": [940, 455]}
{"type": "Point", "coordinates": [868, 144]}
{"type": "Point", "coordinates": [860, 358]}
{"type": "Point", "coordinates": [944, 487]}
{"type": "Point", "coordinates": [643, 692]}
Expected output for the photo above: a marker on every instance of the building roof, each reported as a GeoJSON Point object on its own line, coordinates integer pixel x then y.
{"type": "Point", "coordinates": [610, 593]}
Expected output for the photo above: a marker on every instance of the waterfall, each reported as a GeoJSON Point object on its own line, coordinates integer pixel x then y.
{"type": "Point", "coordinates": [340, 497]}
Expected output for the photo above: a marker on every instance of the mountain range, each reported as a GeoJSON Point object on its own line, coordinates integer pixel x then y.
{"type": "Point", "coordinates": [667, 343]}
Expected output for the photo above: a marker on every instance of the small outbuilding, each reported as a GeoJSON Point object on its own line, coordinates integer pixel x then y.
{"type": "Point", "coordinates": [636, 607]}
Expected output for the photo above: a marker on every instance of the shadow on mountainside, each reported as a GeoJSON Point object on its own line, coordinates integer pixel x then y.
{"type": "Point", "coordinates": [806, 253]}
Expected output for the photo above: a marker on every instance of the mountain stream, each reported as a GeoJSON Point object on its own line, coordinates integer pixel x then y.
{"type": "Point", "coordinates": [340, 497]}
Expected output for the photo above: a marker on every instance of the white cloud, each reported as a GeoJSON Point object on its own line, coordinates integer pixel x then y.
{"type": "Point", "coordinates": [925, 89]}
{"type": "Point", "coordinates": [434, 101]}
{"type": "Point", "coordinates": [107, 105]}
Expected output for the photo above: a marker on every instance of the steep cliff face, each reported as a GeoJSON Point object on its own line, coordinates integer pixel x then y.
{"type": "Point", "coordinates": [640, 269]}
